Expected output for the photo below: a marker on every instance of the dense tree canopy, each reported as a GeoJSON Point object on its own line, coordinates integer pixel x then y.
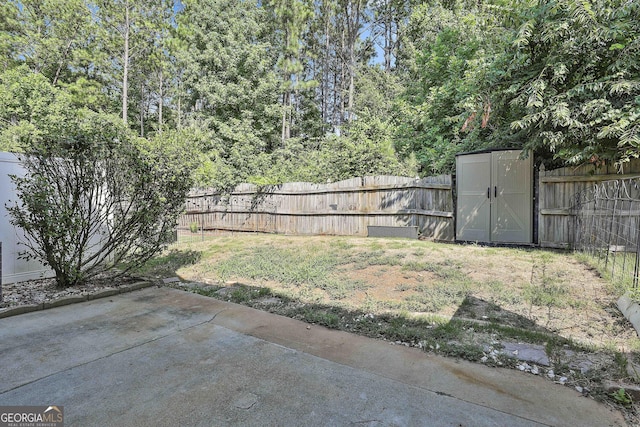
{"type": "Point", "coordinates": [575, 79]}
{"type": "Point", "coordinates": [281, 90]}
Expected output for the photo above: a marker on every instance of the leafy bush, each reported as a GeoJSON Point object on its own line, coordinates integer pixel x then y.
{"type": "Point", "coordinates": [93, 196]}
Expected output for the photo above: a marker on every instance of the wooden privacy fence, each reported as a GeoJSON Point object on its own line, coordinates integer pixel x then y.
{"type": "Point", "coordinates": [342, 208]}
{"type": "Point", "coordinates": [559, 190]}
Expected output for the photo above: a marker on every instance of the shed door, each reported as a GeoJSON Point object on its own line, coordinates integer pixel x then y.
{"type": "Point", "coordinates": [474, 204]}
{"type": "Point", "coordinates": [494, 197]}
{"type": "Point", "coordinates": [511, 204]}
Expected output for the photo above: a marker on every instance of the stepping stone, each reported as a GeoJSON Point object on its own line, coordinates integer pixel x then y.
{"type": "Point", "coordinates": [526, 352]}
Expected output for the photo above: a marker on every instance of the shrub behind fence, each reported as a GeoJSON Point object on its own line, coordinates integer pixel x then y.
{"type": "Point", "coordinates": [607, 227]}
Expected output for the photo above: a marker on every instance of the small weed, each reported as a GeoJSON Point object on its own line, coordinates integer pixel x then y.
{"type": "Point", "coordinates": [369, 305]}
{"type": "Point", "coordinates": [634, 348]}
{"type": "Point", "coordinates": [243, 294]}
{"type": "Point", "coordinates": [365, 259]}
{"type": "Point", "coordinates": [622, 397]}
{"type": "Point", "coordinates": [501, 293]}
{"type": "Point", "coordinates": [436, 296]}
{"type": "Point", "coordinates": [418, 266]}
{"type": "Point", "coordinates": [621, 362]}
{"type": "Point", "coordinates": [375, 245]}
{"type": "Point", "coordinates": [341, 244]}
{"type": "Point", "coordinates": [547, 295]}
{"type": "Point", "coordinates": [239, 294]}
{"type": "Point", "coordinates": [471, 352]}
{"type": "Point", "coordinates": [448, 331]}
{"type": "Point", "coordinates": [324, 318]}
{"type": "Point", "coordinates": [445, 270]}
{"type": "Point", "coordinates": [398, 244]}
{"type": "Point", "coordinates": [209, 291]}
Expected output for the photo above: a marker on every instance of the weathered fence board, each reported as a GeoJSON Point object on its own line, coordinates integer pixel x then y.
{"type": "Point", "coordinates": [341, 208]}
{"type": "Point", "coordinates": [558, 189]}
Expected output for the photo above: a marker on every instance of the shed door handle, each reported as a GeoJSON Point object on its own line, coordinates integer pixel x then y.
{"type": "Point", "coordinates": [488, 192]}
{"type": "Point", "coordinates": [495, 191]}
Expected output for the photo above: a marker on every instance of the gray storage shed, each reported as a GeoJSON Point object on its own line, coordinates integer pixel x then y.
{"type": "Point", "coordinates": [494, 197]}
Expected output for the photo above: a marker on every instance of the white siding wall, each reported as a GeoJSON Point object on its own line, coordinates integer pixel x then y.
{"type": "Point", "coordinates": [13, 269]}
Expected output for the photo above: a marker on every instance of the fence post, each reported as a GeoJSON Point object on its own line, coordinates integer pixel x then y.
{"type": "Point", "coordinates": [593, 237]}
{"type": "Point", "coordinates": [576, 210]}
{"type": "Point", "coordinates": [616, 221]}
{"type": "Point", "coordinates": [637, 262]}
{"type": "Point", "coordinates": [626, 197]}
{"type": "Point", "coordinates": [613, 216]}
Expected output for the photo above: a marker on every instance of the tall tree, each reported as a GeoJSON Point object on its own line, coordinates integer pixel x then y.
{"type": "Point", "coordinates": [129, 30]}
{"type": "Point", "coordinates": [452, 56]}
{"type": "Point", "coordinates": [353, 14]}
{"type": "Point", "coordinates": [10, 27]}
{"type": "Point", "coordinates": [51, 35]}
{"type": "Point", "coordinates": [230, 80]}
{"type": "Point", "coordinates": [389, 16]}
{"type": "Point", "coordinates": [291, 17]}
{"type": "Point", "coordinates": [337, 37]}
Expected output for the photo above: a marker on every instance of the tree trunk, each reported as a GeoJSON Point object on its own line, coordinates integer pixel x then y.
{"type": "Point", "coordinates": [325, 73]}
{"type": "Point", "coordinates": [179, 124]}
{"type": "Point", "coordinates": [286, 96]}
{"type": "Point", "coordinates": [62, 63]}
{"type": "Point", "coordinates": [125, 65]}
{"type": "Point", "coordinates": [388, 38]}
{"type": "Point", "coordinates": [161, 101]}
{"type": "Point", "coordinates": [142, 110]}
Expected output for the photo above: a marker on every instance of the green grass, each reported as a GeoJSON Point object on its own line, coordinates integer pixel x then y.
{"type": "Point", "coordinates": [447, 270]}
{"type": "Point", "coordinates": [290, 267]}
{"type": "Point", "coordinates": [618, 271]}
{"type": "Point", "coordinates": [433, 297]}
{"type": "Point", "coordinates": [311, 267]}
{"type": "Point", "coordinates": [341, 244]}
{"type": "Point", "coordinates": [167, 264]}
{"type": "Point", "coordinates": [362, 260]}
{"type": "Point", "coordinates": [548, 295]}
{"type": "Point", "coordinates": [502, 293]}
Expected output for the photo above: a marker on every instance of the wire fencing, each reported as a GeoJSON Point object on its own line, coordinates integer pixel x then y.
{"type": "Point", "coordinates": [607, 228]}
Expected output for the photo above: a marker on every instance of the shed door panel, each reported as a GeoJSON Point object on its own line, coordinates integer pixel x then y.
{"type": "Point", "coordinates": [511, 213]}
{"type": "Point", "coordinates": [474, 213]}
